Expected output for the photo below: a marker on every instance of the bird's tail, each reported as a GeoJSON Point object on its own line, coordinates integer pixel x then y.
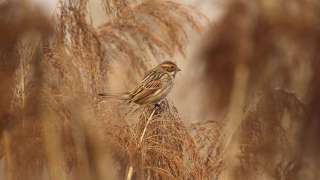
{"type": "Point", "coordinates": [121, 96]}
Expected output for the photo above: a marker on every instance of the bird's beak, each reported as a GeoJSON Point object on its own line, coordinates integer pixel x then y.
{"type": "Point", "coordinates": [178, 69]}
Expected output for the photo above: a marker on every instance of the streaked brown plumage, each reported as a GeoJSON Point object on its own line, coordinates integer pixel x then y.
{"type": "Point", "coordinates": [154, 87]}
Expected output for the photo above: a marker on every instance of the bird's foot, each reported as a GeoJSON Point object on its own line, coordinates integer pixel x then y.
{"type": "Point", "coordinates": [157, 105]}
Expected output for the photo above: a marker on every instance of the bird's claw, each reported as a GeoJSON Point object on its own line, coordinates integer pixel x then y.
{"type": "Point", "coordinates": [157, 106]}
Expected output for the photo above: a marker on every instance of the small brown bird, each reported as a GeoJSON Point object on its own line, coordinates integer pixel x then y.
{"type": "Point", "coordinates": [154, 87]}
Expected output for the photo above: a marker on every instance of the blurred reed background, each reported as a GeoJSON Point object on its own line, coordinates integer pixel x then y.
{"type": "Point", "coordinates": [244, 107]}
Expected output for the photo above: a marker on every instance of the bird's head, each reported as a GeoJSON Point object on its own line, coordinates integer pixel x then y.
{"type": "Point", "coordinates": [170, 67]}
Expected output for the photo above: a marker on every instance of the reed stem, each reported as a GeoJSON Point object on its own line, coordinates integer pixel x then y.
{"type": "Point", "coordinates": [130, 170]}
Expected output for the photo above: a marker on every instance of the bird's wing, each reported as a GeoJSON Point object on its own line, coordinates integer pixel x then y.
{"type": "Point", "coordinates": [145, 90]}
{"type": "Point", "coordinates": [153, 74]}
{"type": "Point", "coordinates": [153, 83]}
{"type": "Point", "coordinates": [150, 76]}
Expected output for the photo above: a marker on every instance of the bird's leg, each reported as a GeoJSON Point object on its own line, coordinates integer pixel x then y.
{"type": "Point", "coordinates": [157, 105]}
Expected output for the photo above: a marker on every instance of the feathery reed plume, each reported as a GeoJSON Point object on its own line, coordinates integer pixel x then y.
{"type": "Point", "coordinates": [146, 33]}
{"type": "Point", "coordinates": [23, 28]}
{"type": "Point", "coordinates": [54, 127]}
{"type": "Point", "coordinates": [276, 43]}
{"type": "Point", "coordinates": [158, 146]}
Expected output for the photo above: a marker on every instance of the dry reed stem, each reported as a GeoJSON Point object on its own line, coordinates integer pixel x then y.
{"type": "Point", "coordinates": [146, 126]}
{"type": "Point", "coordinates": [130, 171]}
{"type": "Point", "coordinates": [235, 114]}
{"type": "Point", "coordinates": [9, 168]}
{"type": "Point", "coordinates": [79, 138]}
{"type": "Point", "coordinates": [53, 145]}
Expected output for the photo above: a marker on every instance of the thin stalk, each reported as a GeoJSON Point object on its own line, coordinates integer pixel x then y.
{"type": "Point", "coordinates": [9, 167]}
{"type": "Point", "coordinates": [235, 114]}
{"type": "Point", "coordinates": [130, 173]}
{"type": "Point", "coordinates": [130, 170]}
{"type": "Point", "coordinates": [146, 126]}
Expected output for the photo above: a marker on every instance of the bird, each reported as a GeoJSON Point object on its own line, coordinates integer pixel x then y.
{"type": "Point", "coordinates": [154, 87]}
